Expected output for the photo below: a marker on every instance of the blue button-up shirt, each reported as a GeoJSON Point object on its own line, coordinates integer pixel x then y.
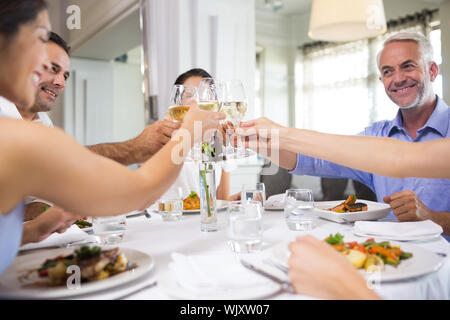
{"type": "Point", "coordinates": [434, 193]}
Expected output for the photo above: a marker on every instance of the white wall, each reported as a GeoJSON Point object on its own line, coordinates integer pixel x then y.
{"type": "Point", "coordinates": [129, 118]}
{"type": "Point", "coordinates": [215, 35]}
{"type": "Point", "coordinates": [273, 35]}
{"type": "Point", "coordinates": [103, 101]}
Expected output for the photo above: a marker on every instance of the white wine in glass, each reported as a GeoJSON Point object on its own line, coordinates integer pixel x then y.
{"type": "Point", "coordinates": [207, 95]}
{"type": "Point", "coordinates": [209, 105]}
{"type": "Point", "coordinates": [180, 98]}
{"type": "Point", "coordinates": [234, 105]}
{"type": "Point", "coordinates": [235, 111]}
{"type": "Point", "coordinates": [177, 113]}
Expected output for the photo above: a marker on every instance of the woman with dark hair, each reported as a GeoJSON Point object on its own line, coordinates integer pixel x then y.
{"type": "Point", "coordinates": [192, 77]}
{"type": "Point", "coordinates": [24, 31]}
{"type": "Point", "coordinates": [188, 179]}
{"type": "Point", "coordinates": [61, 170]}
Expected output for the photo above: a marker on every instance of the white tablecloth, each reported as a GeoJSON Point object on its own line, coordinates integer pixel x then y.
{"type": "Point", "coordinates": [159, 239]}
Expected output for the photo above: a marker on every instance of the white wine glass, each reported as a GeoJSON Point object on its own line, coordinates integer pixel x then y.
{"type": "Point", "coordinates": [179, 104]}
{"type": "Point", "coordinates": [207, 95]}
{"type": "Point", "coordinates": [180, 98]}
{"type": "Point", "coordinates": [233, 103]}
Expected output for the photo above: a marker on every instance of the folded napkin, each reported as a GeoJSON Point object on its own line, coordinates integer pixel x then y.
{"type": "Point", "coordinates": [74, 233]}
{"type": "Point", "coordinates": [275, 202]}
{"type": "Point", "coordinates": [398, 229]}
{"type": "Point", "coordinates": [203, 274]}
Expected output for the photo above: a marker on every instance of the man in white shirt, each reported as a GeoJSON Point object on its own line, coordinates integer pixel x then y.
{"type": "Point", "coordinates": [51, 86]}
{"type": "Point", "coordinates": [9, 110]}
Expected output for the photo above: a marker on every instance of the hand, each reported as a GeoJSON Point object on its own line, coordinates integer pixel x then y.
{"type": "Point", "coordinates": [317, 269]}
{"type": "Point", "coordinates": [52, 220]}
{"type": "Point", "coordinates": [209, 122]}
{"type": "Point", "coordinates": [260, 135]}
{"type": "Point", "coordinates": [154, 137]}
{"type": "Point", "coordinates": [407, 206]}
{"type": "Point", "coordinates": [235, 197]}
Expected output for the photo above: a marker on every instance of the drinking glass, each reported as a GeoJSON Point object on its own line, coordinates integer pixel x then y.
{"type": "Point", "coordinates": [299, 209]}
{"type": "Point", "coordinates": [234, 104]}
{"type": "Point", "coordinates": [110, 229]}
{"type": "Point", "coordinates": [180, 99]}
{"type": "Point", "coordinates": [208, 199]}
{"type": "Point", "coordinates": [245, 230]}
{"type": "Point", "coordinates": [170, 209]}
{"type": "Point", "coordinates": [255, 192]}
{"type": "Point", "coordinates": [207, 95]}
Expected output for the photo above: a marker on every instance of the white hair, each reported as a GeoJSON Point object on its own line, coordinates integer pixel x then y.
{"type": "Point", "coordinates": [425, 48]}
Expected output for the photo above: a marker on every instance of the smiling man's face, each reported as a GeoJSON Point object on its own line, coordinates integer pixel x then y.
{"type": "Point", "coordinates": [54, 78]}
{"type": "Point", "coordinates": [404, 74]}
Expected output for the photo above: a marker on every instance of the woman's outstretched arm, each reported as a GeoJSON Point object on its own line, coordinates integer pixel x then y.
{"type": "Point", "coordinates": [47, 163]}
{"type": "Point", "coordinates": [384, 156]}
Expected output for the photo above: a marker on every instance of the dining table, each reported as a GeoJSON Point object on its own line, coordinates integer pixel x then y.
{"type": "Point", "coordinates": [150, 234]}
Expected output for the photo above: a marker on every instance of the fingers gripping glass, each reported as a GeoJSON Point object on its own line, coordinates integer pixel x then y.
{"type": "Point", "coordinates": [233, 103]}
{"type": "Point", "coordinates": [180, 98]}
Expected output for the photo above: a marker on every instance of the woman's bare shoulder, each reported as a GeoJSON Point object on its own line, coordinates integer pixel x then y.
{"type": "Point", "coordinates": [19, 133]}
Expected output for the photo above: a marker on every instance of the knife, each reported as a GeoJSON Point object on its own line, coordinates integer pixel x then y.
{"type": "Point", "coordinates": [285, 285]}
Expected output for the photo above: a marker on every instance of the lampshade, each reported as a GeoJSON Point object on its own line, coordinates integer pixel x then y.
{"type": "Point", "coordinates": [346, 20]}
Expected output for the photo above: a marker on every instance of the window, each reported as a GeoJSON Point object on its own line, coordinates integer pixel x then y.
{"type": "Point", "coordinates": [259, 83]}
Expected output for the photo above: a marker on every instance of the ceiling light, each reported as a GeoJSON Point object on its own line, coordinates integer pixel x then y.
{"type": "Point", "coordinates": [346, 20]}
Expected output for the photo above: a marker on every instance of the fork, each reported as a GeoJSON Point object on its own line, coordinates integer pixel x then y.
{"type": "Point", "coordinates": [284, 285]}
{"type": "Point", "coordinates": [148, 286]}
{"type": "Point", "coordinates": [277, 265]}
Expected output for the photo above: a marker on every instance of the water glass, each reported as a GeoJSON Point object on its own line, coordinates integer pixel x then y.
{"type": "Point", "coordinates": [110, 229]}
{"type": "Point", "coordinates": [245, 228]}
{"type": "Point", "coordinates": [299, 209]}
{"type": "Point", "coordinates": [255, 192]}
{"type": "Point", "coordinates": [170, 209]}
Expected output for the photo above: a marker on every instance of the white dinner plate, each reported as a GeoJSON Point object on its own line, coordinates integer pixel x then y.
{"type": "Point", "coordinates": [88, 230]}
{"type": "Point", "coordinates": [421, 263]}
{"type": "Point", "coordinates": [168, 283]}
{"type": "Point", "coordinates": [375, 211]}
{"type": "Point", "coordinates": [221, 205]}
{"type": "Point", "coordinates": [11, 287]}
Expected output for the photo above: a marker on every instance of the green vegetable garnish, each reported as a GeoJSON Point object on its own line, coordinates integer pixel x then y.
{"type": "Point", "coordinates": [336, 239]}
{"type": "Point", "coordinates": [83, 223]}
{"type": "Point", "coordinates": [44, 208]}
{"type": "Point", "coordinates": [193, 194]}
{"type": "Point", "coordinates": [406, 255]}
{"type": "Point", "coordinates": [87, 252]}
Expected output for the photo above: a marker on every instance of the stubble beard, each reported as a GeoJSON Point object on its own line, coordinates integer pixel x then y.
{"type": "Point", "coordinates": [40, 105]}
{"type": "Point", "coordinates": [422, 95]}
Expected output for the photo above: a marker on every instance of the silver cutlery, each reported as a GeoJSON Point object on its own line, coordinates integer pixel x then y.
{"type": "Point", "coordinates": [150, 285]}
{"type": "Point", "coordinates": [277, 265]}
{"type": "Point", "coordinates": [285, 285]}
{"type": "Point", "coordinates": [141, 213]}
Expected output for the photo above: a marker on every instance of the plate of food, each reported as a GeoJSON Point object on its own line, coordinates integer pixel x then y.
{"type": "Point", "coordinates": [84, 225]}
{"type": "Point", "coordinates": [191, 204]}
{"type": "Point", "coordinates": [62, 273]}
{"type": "Point", "coordinates": [350, 210]}
{"type": "Point", "coordinates": [379, 260]}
